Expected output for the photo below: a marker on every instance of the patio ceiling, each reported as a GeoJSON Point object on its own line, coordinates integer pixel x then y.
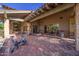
{"type": "Point", "coordinates": [16, 15]}
{"type": "Point", "coordinates": [21, 14]}
{"type": "Point", "coordinates": [47, 9]}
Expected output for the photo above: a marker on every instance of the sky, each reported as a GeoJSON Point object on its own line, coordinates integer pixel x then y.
{"type": "Point", "coordinates": [24, 6]}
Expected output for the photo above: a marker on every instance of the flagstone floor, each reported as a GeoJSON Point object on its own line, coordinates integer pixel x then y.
{"type": "Point", "coordinates": [47, 46]}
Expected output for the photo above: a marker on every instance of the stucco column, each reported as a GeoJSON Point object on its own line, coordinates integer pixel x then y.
{"type": "Point", "coordinates": [6, 28]}
{"type": "Point", "coordinates": [28, 27]}
{"type": "Point", "coordinates": [77, 26]}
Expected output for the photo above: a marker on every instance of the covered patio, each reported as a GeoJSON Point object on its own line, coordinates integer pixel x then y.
{"type": "Point", "coordinates": [41, 39]}
{"type": "Point", "coordinates": [64, 16]}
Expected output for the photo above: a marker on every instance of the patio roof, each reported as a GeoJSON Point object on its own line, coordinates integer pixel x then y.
{"type": "Point", "coordinates": [4, 7]}
{"type": "Point", "coordinates": [46, 10]}
{"type": "Point", "coordinates": [12, 13]}
{"type": "Point", "coordinates": [15, 13]}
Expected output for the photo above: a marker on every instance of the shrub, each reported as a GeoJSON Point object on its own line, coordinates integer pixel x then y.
{"type": "Point", "coordinates": [1, 26]}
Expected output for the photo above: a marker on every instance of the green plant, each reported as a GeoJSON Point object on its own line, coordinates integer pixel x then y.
{"type": "Point", "coordinates": [53, 27]}
{"type": "Point", "coordinates": [1, 29]}
{"type": "Point", "coordinates": [1, 26]}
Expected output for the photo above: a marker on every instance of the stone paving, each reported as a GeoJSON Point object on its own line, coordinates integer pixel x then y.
{"type": "Point", "coordinates": [47, 46]}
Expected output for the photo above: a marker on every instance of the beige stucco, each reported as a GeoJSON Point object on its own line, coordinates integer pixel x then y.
{"type": "Point", "coordinates": [77, 25]}
{"type": "Point", "coordinates": [6, 28]}
{"type": "Point", "coordinates": [53, 11]}
{"type": "Point", "coordinates": [68, 21]}
{"type": "Point", "coordinates": [56, 19]}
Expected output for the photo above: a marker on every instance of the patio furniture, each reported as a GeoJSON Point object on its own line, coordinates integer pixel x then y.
{"type": "Point", "coordinates": [1, 44]}
{"type": "Point", "coordinates": [2, 48]}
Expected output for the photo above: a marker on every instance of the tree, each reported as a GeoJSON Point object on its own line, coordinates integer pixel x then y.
{"type": "Point", "coordinates": [54, 28]}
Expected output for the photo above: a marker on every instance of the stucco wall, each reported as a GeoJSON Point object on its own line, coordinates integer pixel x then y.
{"type": "Point", "coordinates": [61, 18]}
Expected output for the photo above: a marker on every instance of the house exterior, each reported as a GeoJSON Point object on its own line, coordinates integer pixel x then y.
{"type": "Point", "coordinates": [65, 16]}
{"type": "Point", "coordinates": [57, 14]}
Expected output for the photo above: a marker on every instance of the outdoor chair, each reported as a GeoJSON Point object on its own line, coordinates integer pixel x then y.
{"type": "Point", "coordinates": [23, 38]}
{"type": "Point", "coordinates": [1, 44]}
{"type": "Point", "coordinates": [1, 47]}
{"type": "Point", "coordinates": [22, 41]}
